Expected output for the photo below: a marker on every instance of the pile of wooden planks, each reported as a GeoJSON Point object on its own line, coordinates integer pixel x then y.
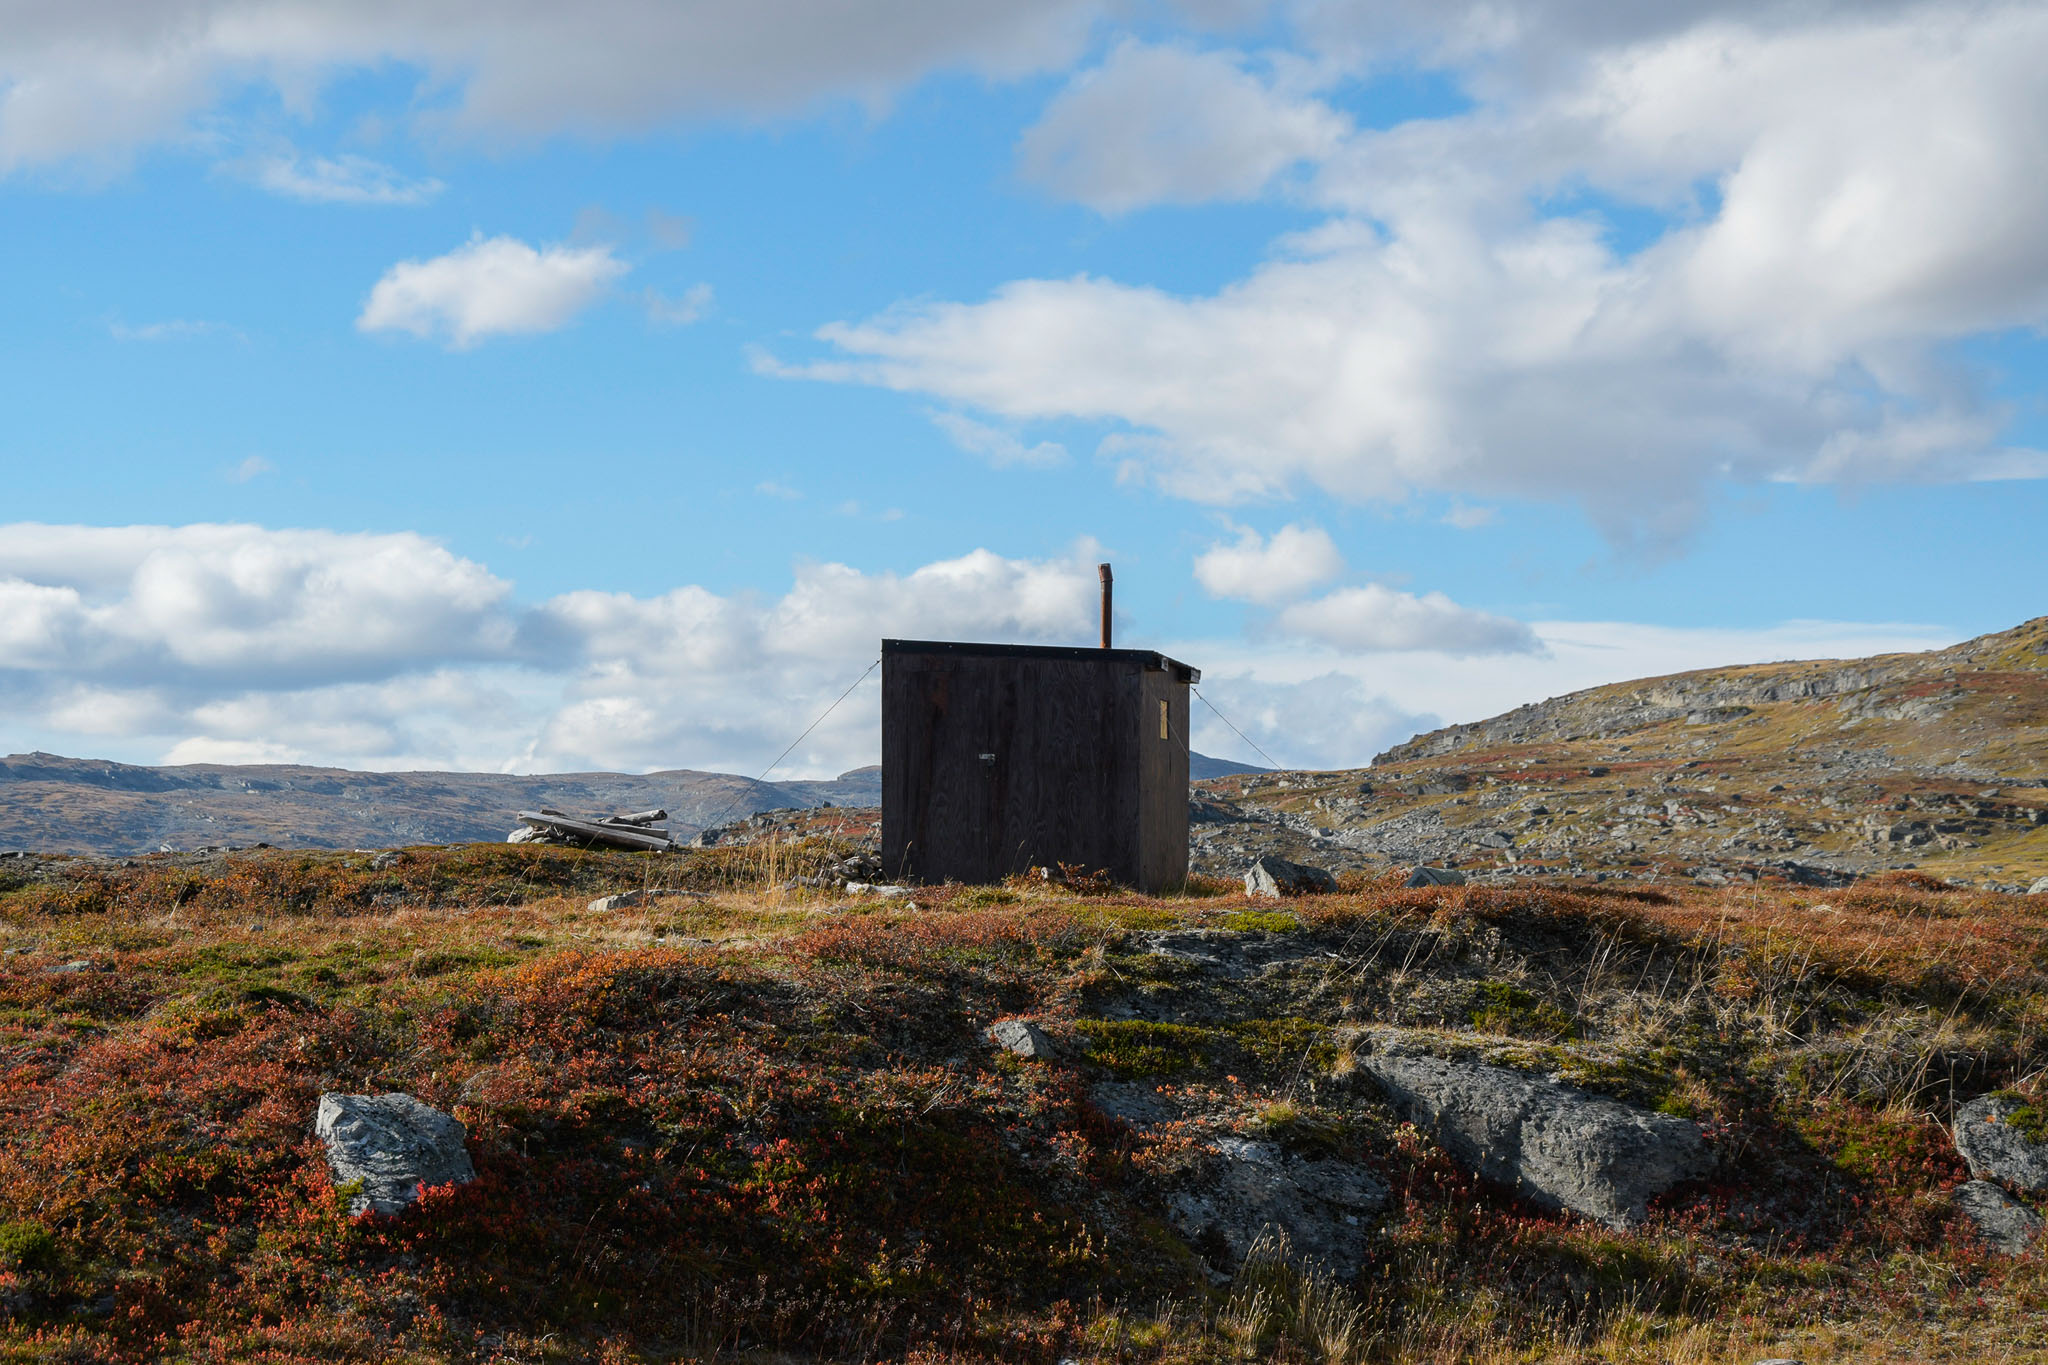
{"type": "Point", "coordinates": [637, 831]}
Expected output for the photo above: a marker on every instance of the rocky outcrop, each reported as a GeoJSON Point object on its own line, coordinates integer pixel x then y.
{"type": "Point", "coordinates": [1995, 1149]}
{"type": "Point", "coordinates": [2003, 1222]}
{"type": "Point", "coordinates": [1707, 697]}
{"type": "Point", "coordinates": [1435, 876]}
{"type": "Point", "coordinates": [1559, 1147]}
{"type": "Point", "coordinates": [392, 1144]}
{"type": "Point", "coordinates": [1244, 1186]}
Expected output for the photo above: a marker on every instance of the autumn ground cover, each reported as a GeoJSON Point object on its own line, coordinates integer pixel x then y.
{"type": "Point", "coordinates": [765, 1123]}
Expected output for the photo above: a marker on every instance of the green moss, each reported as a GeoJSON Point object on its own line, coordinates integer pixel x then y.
{"type": "Point", "coordinates": [1262, 921]}
{"type": "Point", "coordinates": [1502, 1008]}
{"type": "Point", "coordinates": [1287, 1045]}
{"type": "Point", "coordinates": [27, 1246]}
{"type": "Point", "coordinates": [1134, 1048]}
{"type": "Point", "coordinates": [982, 897]}
{"type": "Point", "coordinates": [1132, 918]}
{"type": "Point", "coordinates": [2030, 1119]}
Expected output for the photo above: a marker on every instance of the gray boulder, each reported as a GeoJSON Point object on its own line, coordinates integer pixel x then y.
{"type": "Point", "coordinates": [1435, 876]}
{"type": "Point", "coordinates": [393, 1144]}
{"type": "Point", "coordinates": [1024, 1038]}
{"type": "Point", "coordinates": [1276, 877]}
{"type": "Point", "coordinates": [1245, 1186]}
{"type": "Point", "coordinates": [2002, 1221]}
{"type": "Point", "coordinates": [1558, 1146]}
{"type": "Point", "coordinates": [2039, 888]}
{"type": "Point", "coordinates": [1994, 1149]}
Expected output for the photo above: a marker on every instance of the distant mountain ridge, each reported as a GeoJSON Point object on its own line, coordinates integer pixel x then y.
{"type": "Point", "coordinates": [53, 804]}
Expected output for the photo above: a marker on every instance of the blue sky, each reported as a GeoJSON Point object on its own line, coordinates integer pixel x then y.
{"type": "Point", "coordinates": [414, 389]}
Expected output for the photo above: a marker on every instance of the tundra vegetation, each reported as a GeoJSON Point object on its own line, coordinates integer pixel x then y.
{"type": "Point", "coordinates": [765, 1122]}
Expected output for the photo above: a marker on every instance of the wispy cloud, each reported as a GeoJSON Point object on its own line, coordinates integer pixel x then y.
{"type": "Point", "coordinates": [769, 488]}
{"type": "Point", "coordinates": [346, 179]}
{"type": "Point", "coordinates": [1000, 448]}
{"type": "Point", "coordinates": [1466, 517]}
{"type": "Point", "coordinates": [664, 311]}
{"type": "Point", "coordinates": [253, 467]}
{"type": "Point", "coordinates": [669, 231]}
{"type": "Point", "coordinates": [175, 329]}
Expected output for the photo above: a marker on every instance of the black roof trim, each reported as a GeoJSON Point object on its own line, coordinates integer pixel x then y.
{"type": "Point", "coordinates": [1145, 658]}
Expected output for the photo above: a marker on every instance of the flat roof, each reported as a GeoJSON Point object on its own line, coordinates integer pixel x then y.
{"type": "Point", "coordinates": [1144, 658]}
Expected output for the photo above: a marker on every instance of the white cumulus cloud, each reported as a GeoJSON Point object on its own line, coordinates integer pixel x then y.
{"type": "Point", "coordinates": [1254, 569]}
{"type": "Point", "coordinates": [97, 81]}
{"type": "Point", "coordinates": [245, 644]}
{"type": "Point", "coordinates": [1376, 618]}
{"type": "Point", "coordinates": [1843, 193]}
{"type": "Point", "coordinates": [496, 286]}
{"type": "Point", "coordinates": [240, 643]}
{"type": "Point", "coordinates": [214, 602]}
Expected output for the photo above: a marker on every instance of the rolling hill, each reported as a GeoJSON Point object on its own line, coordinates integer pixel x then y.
{"type": "Point", "coordinates": [1813, 770]}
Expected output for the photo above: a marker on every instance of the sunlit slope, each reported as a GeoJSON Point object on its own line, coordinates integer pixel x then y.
{"type": "Point", "coordinates": [1933, 760]}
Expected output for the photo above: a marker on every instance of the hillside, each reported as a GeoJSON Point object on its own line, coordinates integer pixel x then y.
{"type": "Point", "coordinates": [754, 1120]}
{"type": "Point", "coordinates": [1810, 771]}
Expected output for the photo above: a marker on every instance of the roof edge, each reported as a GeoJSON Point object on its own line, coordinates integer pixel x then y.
{"type": "Point", "coordinates": [1145, 658]}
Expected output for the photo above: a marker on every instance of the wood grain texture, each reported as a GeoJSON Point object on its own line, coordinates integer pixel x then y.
{"type": "Point", "coordinates": [994, 762]}
{"type": "Point", "coordinates": [1162, 782]}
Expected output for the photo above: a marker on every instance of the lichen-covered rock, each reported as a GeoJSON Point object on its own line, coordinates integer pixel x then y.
{"type": "Point", "coordinates": [393, 1144]}
{"type": "Point", "coordinates": [2003, 1222]}
{"type": "Point", "coordinates": [1273, 878]}
{"type": "Point", "coordinates": [1435, 876]}
{"type": "Point", "coordinates": [1994, 1149]}
{"type": "Point", "coordinates": [1023, 1038]}
{"type": "Point", "coordinates": [1244, 1186]}
{"type": "Point", "coordinates": [1558, 1146]}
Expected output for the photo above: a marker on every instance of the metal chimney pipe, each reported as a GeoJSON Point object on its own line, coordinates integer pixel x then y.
{"type": "Point", "coordinates": [1103, 569]}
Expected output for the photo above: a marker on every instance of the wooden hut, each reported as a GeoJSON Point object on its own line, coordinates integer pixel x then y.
{"type": "Point", "coordinates": [1000, 758]}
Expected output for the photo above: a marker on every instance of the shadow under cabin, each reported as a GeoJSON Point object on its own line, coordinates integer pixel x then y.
{"type": "Point", "coordinates": [1000, 758]}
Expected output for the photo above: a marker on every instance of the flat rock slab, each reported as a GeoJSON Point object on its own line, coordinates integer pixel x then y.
{"type": "Point", "coordinates": [1138, 1105]}
{"type": "Point", "coordinates": [1324, 1206]}
{"type": "Point", "coordinates": [1435, 876]}
{"type": "Point", "coordinates": [393, 1144]}
{"type": "Point", "coordinates": [1233, 954]}
{"type": "Point", "coordinates": [2002, 1221]}
{"type": "Point", "coordinates": [1559, 1147]}
{"type": "Point", "coordinates": [1994, 1149]}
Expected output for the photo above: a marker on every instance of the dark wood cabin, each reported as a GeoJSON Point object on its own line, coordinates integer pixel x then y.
{"type": "Point", "coordinates": [1000, 758]}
